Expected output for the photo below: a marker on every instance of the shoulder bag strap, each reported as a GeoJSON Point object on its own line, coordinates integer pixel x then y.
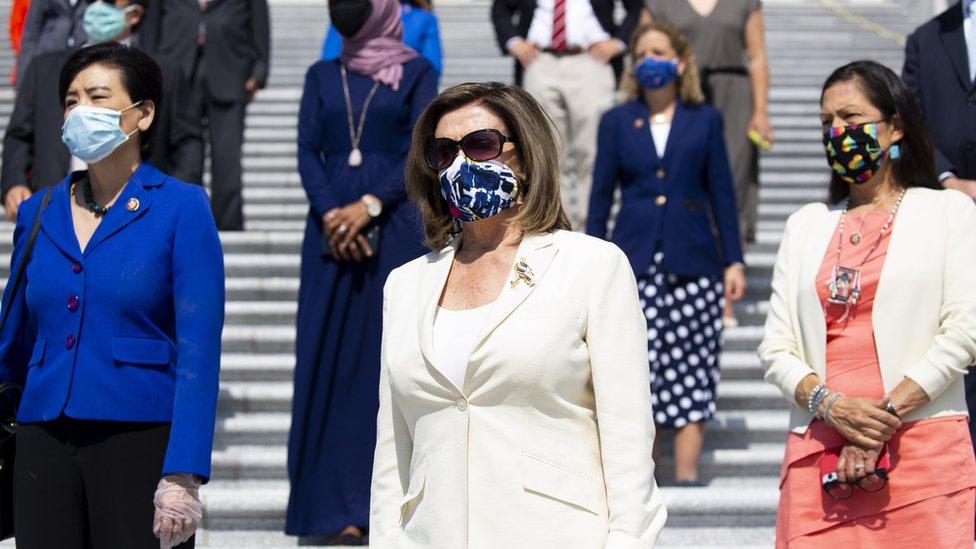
{"type": "Point", "coordinates": [28, 251]}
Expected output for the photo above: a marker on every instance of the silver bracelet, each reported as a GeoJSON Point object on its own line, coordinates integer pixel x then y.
{"type": "Point", "coordinates": [826, 415]}
{"type": "Point", "coordinates": [817, 394]}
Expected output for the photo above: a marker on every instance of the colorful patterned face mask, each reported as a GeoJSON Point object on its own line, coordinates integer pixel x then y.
{"type": "Point", "coordinates": [477, 190]}
{"type": "Point", "coordinates": [854, 153]}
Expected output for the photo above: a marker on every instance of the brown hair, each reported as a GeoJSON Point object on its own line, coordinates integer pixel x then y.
{"type": "Point", "coordinates": [689, 82]}
{"type": "Point", "coordinates": [532, 134]}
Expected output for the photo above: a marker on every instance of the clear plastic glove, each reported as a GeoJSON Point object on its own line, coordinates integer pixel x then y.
{"type": "Point", "coordinates": [178, 509]}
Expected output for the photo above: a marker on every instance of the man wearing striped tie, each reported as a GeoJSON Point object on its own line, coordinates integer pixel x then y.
{"type": "Point", "coordinates": [568, 52]}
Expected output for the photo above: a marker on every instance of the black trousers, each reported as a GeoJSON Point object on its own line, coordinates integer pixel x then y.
{"type": "Point", "coordinates": [87, 484]}
{"type": "Point", "coordinates": [225, 137]}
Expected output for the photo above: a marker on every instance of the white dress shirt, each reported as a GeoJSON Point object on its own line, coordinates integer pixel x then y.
{"type": "Point", "coordinates": [455, 335]}
{"type": "Point", "coordinates": [659, 133]}
{"type": "Point", "coordinates": [582, 26]}
{"type": "Point", "coordinates": [969, 29]}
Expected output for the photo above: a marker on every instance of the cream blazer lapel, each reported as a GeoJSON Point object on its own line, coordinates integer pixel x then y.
{"type": "Point", "coordinates": [536, 251]}
{"type": "Point", "coordinates": [810, 313]}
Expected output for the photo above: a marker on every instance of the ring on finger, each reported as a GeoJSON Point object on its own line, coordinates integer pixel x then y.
{"type": "Point", "coordinates": [342, 229]}
{"type": "Point", "coordinates": [859, 466]}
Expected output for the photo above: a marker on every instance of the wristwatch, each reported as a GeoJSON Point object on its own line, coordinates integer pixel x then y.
{"type": "Point", "coordinates": [373, 205]}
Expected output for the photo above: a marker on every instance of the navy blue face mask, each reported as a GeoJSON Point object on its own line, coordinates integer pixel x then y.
{"type": "Point", "coordinates": [653, 73]}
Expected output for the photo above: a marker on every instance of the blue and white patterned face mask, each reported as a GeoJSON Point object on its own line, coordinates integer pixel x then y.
{"type": "Point", "coordinates": [477, 190]}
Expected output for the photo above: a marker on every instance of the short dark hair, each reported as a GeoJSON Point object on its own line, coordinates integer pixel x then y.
{"type": "Point", "coordinates": [889, 94]}
{"type": "Point", "coordinates": [141, 76]}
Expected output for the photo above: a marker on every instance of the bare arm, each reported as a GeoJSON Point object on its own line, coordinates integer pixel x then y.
{"type": "Point", "coordinates": [755, 38]}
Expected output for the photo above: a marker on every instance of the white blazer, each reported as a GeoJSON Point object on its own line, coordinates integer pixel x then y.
{"type": "Point", "coordinates": [549, 442]}
{"type": "Point", "coordinates": [924, 312]}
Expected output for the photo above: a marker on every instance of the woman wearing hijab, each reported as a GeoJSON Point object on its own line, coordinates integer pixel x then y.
{"type": "Point", "coordinates": [420, 32]}
{"type": "Point", "coordinates": [355, 121]}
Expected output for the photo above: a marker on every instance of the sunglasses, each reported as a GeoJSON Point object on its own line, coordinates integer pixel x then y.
{"type": "Point", "coordinates": [479, 145]}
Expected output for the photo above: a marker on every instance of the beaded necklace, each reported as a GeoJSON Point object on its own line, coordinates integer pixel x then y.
{"type": "Point", "coordinates": [93, 207]}
{"type": "Point", "coordinates": [845, 282]}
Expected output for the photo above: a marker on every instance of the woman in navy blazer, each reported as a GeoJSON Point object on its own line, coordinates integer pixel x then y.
{"type": "Point", "coordinates": [665, 150]}
{"type": "Point", "coordinates": [115, 331]}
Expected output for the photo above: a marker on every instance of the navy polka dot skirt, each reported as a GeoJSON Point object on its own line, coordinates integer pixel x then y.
{"type": "Point", "coordinates": [684, 339]}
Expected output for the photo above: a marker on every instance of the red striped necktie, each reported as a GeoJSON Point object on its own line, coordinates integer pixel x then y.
{"type": "Point", "coordinates": [559, 25]}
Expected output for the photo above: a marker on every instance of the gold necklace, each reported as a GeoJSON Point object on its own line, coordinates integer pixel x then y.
{"type": "Point", "coordinates": [856, 235]}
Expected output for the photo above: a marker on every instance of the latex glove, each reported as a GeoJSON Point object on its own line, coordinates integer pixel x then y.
{"type": "Point", "coordinates": [178, 509]}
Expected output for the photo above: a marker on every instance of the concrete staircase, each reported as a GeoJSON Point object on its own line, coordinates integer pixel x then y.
{"type": "Point", "coordinates": [246, 499]}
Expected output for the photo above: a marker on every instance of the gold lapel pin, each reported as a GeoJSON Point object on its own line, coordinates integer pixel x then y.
{"type": "Point", "coordinates": [639, 123]}
{"type": "Point", "coordinates": [523, 273]}
{"type": "Point", "coordinates": [133, 204]}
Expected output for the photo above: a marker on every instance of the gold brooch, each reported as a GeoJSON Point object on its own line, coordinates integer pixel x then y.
{"type": "Point", "coordinates": [522, 272]}
{"type": "Point", "coordinates": [133, 204]}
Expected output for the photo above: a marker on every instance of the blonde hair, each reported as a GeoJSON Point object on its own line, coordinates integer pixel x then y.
{"type": "Point", "coordinates": [689, 81]}
{"type": "Point", "coordinates": [535, 143]}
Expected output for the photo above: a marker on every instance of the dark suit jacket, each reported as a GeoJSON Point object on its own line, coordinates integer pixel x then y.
{"type": "Point", "coordinates": [937, 71]}
{"type": "Point", "coordinates": [671, 202]}
{"type": "Point", "coordinates": [34, 155]}
{"type": "Point", "coordinates": [513, 18]}
{"type": "Point", "coordinates": [238, 44]}
{"type": "Point", "coordinates": [51, 26]}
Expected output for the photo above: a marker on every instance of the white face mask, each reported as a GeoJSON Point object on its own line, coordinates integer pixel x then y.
{"type": "Point", "coordinates": [93, 133]}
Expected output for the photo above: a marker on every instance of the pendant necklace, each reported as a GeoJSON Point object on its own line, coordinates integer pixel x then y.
{"type": "Point", "coordinates": [856, 235]}
{"type": "Point", "coordinates": [659, 119]}
{"type": "Point", "coordinates": [355, 134]}
{"type": "Point", "coordinates": [845, 282]}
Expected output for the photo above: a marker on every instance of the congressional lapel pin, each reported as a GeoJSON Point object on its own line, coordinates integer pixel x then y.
{"type": "Point", "coordinates": [133, 204]}
{"type": "Point", "coordinates": [638, 123]}
{"type": "Point", "coordinates": [523, 273]}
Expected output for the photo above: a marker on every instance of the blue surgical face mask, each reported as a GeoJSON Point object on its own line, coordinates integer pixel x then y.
{"type": "Point", "coordinates": [103, 21]}
{"type": "Point", "coordinates": [93, 133]}
{"type": "Point", "coordinates": [653, 73]}
{"type": "Point", "coordinates": [477, 190]}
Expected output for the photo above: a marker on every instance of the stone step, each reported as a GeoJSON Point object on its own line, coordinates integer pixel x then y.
{"type": "Point", "coordinates": [737, 502]}
{"type": "Point", "coordinates": [266, 396]}
{"type": "Point", "coordinates": [728, 428]}
{"type": "Point", "coordinates": [256, 462]}
{"type": "Point", "coordinates": [733, 537]}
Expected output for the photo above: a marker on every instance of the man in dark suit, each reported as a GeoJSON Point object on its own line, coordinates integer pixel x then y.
{"type": "Point", "coordinates": [223, 47]}
{"type": "Point", "coordinates": [51, 26]}
{"type": "Point", "coordinates": [940, 69]}
{"type": "Point", "coordinates": [568, 54]}
{"type": "Point", "coordinates": [34, 157]}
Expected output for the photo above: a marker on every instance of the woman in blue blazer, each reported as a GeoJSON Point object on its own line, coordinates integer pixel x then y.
{"type": "Point", "coordinates": [115, 330]}
{"type": "Point", "coordinates": [678, 226]}
{"type": "Point", "coordinates": [420, 32]}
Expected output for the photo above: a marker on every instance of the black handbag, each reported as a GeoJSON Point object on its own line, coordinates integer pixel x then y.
{"type": "Point", "coordinates": [10, 392]}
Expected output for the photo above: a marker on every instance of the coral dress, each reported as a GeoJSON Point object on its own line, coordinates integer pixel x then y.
{"type": "Point", "coordinates": [930, 499]}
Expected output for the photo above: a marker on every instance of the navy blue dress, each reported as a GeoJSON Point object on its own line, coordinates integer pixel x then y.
{"type": "Point", "coordinates": [340, 304]}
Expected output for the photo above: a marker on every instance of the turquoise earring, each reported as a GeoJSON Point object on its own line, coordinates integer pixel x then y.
{"type": "Point", "coordinates": [894, 152]}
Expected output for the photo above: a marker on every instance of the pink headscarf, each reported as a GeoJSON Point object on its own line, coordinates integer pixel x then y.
{"type": "Point", "coordinates": [377, 49]}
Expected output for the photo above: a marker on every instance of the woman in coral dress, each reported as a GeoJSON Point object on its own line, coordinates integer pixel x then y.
{"type": "Point", "coordinates": [872, 325]}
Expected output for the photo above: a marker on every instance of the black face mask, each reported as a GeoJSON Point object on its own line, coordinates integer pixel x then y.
{"type": "Point", "coordinates": [349, 16]}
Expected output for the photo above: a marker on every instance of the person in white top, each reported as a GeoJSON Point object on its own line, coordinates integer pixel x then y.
{"type": "Point", "coordinates": [568, 53]}
{"type": "Point", "coordinates": [530, 425]}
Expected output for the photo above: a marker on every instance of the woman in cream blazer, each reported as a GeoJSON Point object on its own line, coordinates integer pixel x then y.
{"type": "Point", "coordinates": [544, 437]}
{"type": "Point", "coordinates": [879, 452]}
